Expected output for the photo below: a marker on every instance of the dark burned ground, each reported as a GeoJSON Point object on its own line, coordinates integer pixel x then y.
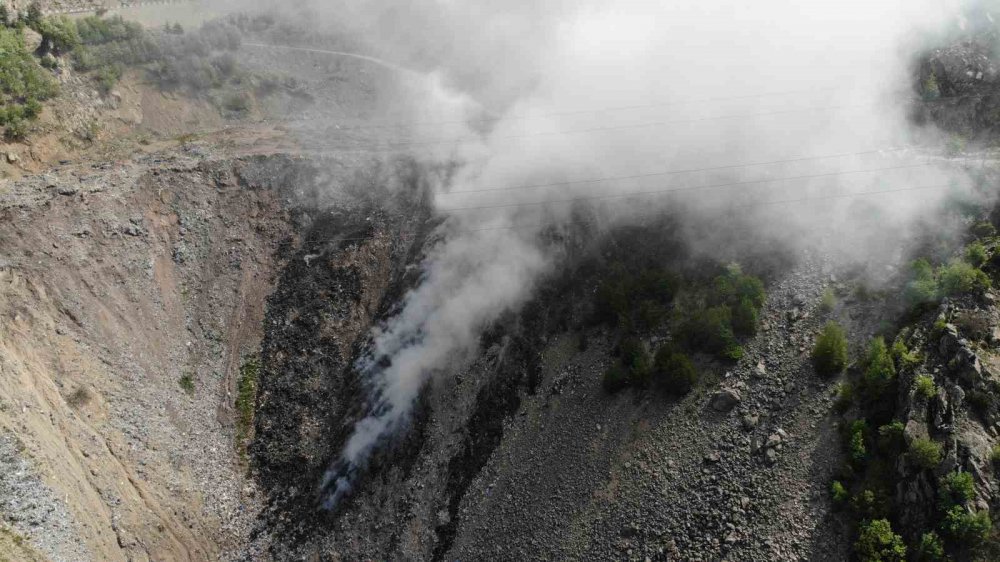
{"type": "Point", "coordinates": [520, 454]}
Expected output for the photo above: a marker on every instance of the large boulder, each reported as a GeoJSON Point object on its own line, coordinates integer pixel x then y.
{"type": "Point", "coordinates": [725, 400]}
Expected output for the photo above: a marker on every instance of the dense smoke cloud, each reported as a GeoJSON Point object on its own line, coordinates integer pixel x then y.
{"type": "Point", "coordinates": [773, 111]}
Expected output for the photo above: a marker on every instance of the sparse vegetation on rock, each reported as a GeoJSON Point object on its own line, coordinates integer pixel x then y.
{"type": "Point", "coordinates": [829, 355]}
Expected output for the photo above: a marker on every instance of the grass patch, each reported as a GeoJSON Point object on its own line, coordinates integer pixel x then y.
{"type": "Point", "coordinates": [246, 396]}
{"type": "Point", "coordinates": [186, 383]}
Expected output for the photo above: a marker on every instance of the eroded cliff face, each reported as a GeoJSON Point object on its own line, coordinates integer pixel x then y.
{"type": "Point", "coordinates": [130, 294]}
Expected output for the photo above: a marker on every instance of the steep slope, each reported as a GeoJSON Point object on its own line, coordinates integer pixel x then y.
{"type": "Point", "coordinates": [130, 294]}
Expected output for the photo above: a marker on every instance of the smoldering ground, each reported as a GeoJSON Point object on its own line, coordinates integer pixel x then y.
{"type": "Point", "coordinates": [790, 116]}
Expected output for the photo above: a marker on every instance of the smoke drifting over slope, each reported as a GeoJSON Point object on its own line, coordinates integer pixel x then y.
{"type": "Point", "coordinates": [772, 111]}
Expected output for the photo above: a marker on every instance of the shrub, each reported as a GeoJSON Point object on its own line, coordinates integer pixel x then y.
{"type": "Point", "coordinates": [959, 277]}
{"type": "Point", "coordinates": [236, 102]}
{"type": "Point", "coordinates": [674, 371]}
{"type": "Point", "coordinates": [891, 438]}
{"type": "Point", "coordinates": [845, 395]}
{"type": "Point", "coordinates": [877, 543]}
{"type": "Point", "coordinates": [922, 287]}
{"type": "Point", "coordinates": [930, 548]}
{"type": "Point", "coordinates": [856, 441]}
{"type": "Point", "coordinates": [965, 527]}
{"type": "Point", "coordinates": [635, 358]}
{"type": "Point", "coordinates": [839, 492]}
{"type": "Point", "coordinates": [879, 368]}
{"type": "Point", "coordinates": [33, 17]}
{"type": "Point", "coordinates": [710, 330]}
{"type": "Point", "coordinates": [108, 77]}
{"type": "Point", "coordinates": [611, 303]}
{"type": "Point", "coordinates": [59, 34]}
{"type": "Point", "coordinates": [924, 386]}
{"type": "Point", "coordinates": [615, 379]}
{"type": "Point", "coordinates": [924, 453]}
{"type": "Point", "coordinates": [869, 505]}
{"type": "Point", "coordinates": [186, 383]}
{"type": "Point", "coordinates": [246, 394]}
{"type": "Point", "coordinates": [828, 301]}
{"type": "Point", "coordinates": [829, 356]}
{"type": "Point", "coordinates": [648, 315]}
{"type": "Point", "coordinates": [995, 454]}
{"type": "Point", "coordinates": [983, 229]}
{"type": "Point", "coordinates": [975, 254]}
{"type": "Point", "coordinates": [734, 286]}
{"type": "Point", "coordinates": [903, 357]}
{"type": "Point", "coordinates": [929, 88]}
{"type": "Point", "coordinates": [745, 318]}
{"type": "Point", "coordinates": [955, 488]}
{"type": "Point", "coordinates": [23, 83]}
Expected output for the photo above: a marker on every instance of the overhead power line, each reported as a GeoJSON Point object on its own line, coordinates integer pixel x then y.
{"type": "Point", "coordinates": [676, 172]}
{"type": "Point", "coordinates": [675, 189]}
{"type": "Point", "coordinates": [855, 194]}
{"type": "Point", "coordinates": [496, 118]}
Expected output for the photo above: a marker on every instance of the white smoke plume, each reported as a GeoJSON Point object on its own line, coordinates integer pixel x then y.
{"type": "Point", "coordinates": [776, 109]}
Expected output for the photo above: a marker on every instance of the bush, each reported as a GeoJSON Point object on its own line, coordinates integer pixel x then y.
{"type": "Point", "coordinates": [23, 84]}
{"type": "Point", "coordinates": [856, 441]}
{"type": "Point", "coordinates": [965, 527]}
{"type": "Point", "coordinates": [186, 383]}
{"type": "Point", "coordinates": [868, 505]}
{"type": "Point", "coordinates": [930, 90]}
{"type": "Point", "coordinates": [923, 286]}
{"type": "Point", "coordinates": [903, 357]}
{"type": "Point", "coordinates": [975, 254]}
{"type": "Point", "coordinates": [924, 387]}
{"type": "Point", "coordinates": [745, 318]}
{"type": "Point", "coordinates": [107, 77]}
{"type": "Point", "coordinates": [236, 102]}
{"type": "Point", "coordinates": [829, 356]}
{"type": "Point", "coordinates": [711, 330]}
{"type": "Point", "coordinates": [879, 369]}
{"type": "Point", "coordinates": [635, 358]}
{"type": "Point", "coordinates": [877, 543]}
{"type": "Point", "coordinates": [924, 453]}
{"type": "Point", "coordinates": [960, 277]}
{"type": "Point", "coordinates": [956, 488]}
{"type": "Point", "coordinates": [673, 371]}
{"type": "Point", "coordinates": [59, 34]}
{"type": "Point", "coordinates": [246, 394]}
{"type": "Point", "coordinates": [845, 395]}
{"type": "Point", "coordinates": [891, 439]}
{"type": "Point", "coordinates": [995, 454]}
{"type": "Point", "coordinates": [930, 548]}
{"type": "Point", "coordinates": [838, 492]}
{"type": "Point", "coordinates": [615, 379]}
{"type": "Point", "coordinates": [983, 229]}
{"type": "Point", "coordinates": [734, 286]}
{"type": "Point", "coordinates": [828, 301]}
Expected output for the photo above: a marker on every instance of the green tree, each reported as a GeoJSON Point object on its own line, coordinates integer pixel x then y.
{"type": "Point", "coordinates": [960, 277]}
{"type": "Point", "coordinates": [878, 543]}
{"type": "Point", "coordinates": [975, 254]}
{"type": "Point", "coordinates": [879, 368]}
{"type": "Point", "coordinates": [829, 356]}
{"type": "Point", "coordinates": [968, 528]}
{"type": "Point", "coordinates": [673, 371]}
{"type": "Point", "coordinates": [923, 285]}
{"type": "Point", "coordinates": [33, 18]}
{"type": "Point", "coordinates": [745, 318]}
{"type": "Point", "coordinates": [930, 548]}
{"type": "Point", "coordinates": [955, 488]}
{"type": "Point", "coordinates": [924, 453]}
{"type": "Point", "coordinates": [615, 379]}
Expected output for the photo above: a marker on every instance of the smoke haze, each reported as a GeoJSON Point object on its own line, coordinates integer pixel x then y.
{"type": "Point", "coordinates": [772, 111]}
